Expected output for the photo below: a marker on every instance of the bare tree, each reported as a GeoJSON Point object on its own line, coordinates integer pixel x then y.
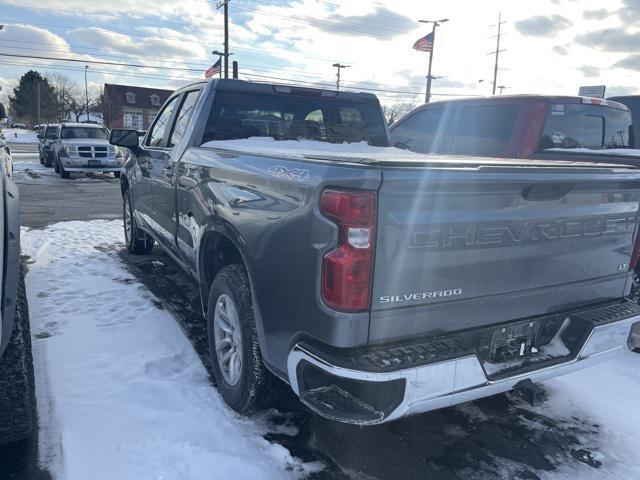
{"type": "Point", "coordinates": [68, 94]}
{"type": "Point", "coordinates": [394, 111]}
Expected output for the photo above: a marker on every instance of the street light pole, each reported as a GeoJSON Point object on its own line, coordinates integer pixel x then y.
{"type": "Point", "coordinates": [436, 23]}
{"type": "Point", "coordinates": [339, 66]}
{"type": "Point", "coordinates": [86, 90]}
{"type": "Point", "coordinates": [221, 55]}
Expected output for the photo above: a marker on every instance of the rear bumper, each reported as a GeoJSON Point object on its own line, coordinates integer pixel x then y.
{"type": "Point", "coordinates": [434, 385]}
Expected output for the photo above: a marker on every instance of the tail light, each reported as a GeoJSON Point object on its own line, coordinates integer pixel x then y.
{"type": "Point", "coordinates": [346, 270]}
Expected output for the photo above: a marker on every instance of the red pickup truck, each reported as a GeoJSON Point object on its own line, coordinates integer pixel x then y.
{"type": "Point", "coordinates": [521, 126]}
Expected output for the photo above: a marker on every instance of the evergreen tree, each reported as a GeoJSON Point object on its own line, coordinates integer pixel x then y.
{"type": "Point", "coordinates": [24, 102]}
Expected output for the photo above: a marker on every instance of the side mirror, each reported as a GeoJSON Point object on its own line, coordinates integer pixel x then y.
{"type": "Point", "coordinates": [3, 112]}
{"type": "Point", "coordinates": [123, 137]}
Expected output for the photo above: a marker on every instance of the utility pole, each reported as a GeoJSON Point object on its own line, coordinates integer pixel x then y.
{"type": "Point", "coordinates": [436, 23]}
{"type": "Point", "coordinates": [339, 66]}
{"type": "Point", "coordinates": [497, 52]}
{"type": "Point", "coordinates": [221, 55]}
{"type": "Point", "coordinates": [86, 90]}
{"type": "Point", "coordinates": [225, 5]}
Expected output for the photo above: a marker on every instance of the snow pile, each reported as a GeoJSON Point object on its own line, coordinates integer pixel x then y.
{"type": "Point", "coordinates": [20, 135]}
{"type": "Point", "coordinates": [609, 395]}
{"type": "Point", "coordinates": [121, 392]}
{"type": "Point", "coordinates": [303, 147]}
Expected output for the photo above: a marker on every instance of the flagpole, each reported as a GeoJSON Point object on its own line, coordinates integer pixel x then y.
{"type": "Point", "coordinates": [433, 46]}
{"type": "Point", "coordinates": [436, 23]}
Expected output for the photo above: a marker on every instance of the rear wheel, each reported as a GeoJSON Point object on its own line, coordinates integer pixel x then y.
{"type": "Point", "coordinates": [17, 387]}
{"type": "Point", "coordinates": [243, 380]}
{"type": "Point", "coordinates": [138, 242]}
{"type": "Point", "coordinates": [47, 160]}
{"type": "Point", "coordinates": [56, 166]}
{"type": "Point", "coordinates": [116, 174]}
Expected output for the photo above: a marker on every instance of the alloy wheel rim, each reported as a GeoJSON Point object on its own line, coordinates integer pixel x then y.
{"type": "Point", "coordinates": [127, 222]}
{"type": "Point", "coordinates": [227, 339]}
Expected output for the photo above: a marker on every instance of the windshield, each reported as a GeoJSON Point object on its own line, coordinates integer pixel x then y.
{"type": "Point", "coordinates": [575, 125]}
{"type": "Point", "coordinates": [291, 117]}
{"type": "Point", "coordinates": [84, 132]}
{"type": "Point", "coordinates": [51, 132]}
{"type": "Point", "coordinates": [458, 129]}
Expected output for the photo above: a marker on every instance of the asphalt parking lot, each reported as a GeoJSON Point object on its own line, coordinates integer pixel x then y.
{"type": "Point", "coordinates": [498, 437]}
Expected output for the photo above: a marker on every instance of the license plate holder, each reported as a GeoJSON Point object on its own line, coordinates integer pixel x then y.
{"type": "Point", "coordinates": [93, 163]}
{"type": "Point", "coordinates": [514, 341]}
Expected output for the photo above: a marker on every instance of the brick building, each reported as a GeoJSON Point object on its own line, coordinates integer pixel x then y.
{"type": "Point", "coordinates": [126, 106]}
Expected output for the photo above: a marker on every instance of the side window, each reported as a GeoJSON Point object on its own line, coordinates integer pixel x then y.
{"type": "Point", "coordinates": [183, 117]}
{"type": "Point", "coordinates": [156, 135]}
{"type": "Point", "coordinates": [423, 131]}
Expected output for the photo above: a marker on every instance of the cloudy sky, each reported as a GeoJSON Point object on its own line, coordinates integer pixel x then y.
{"type": "Point", "coordinates": [552, 46]}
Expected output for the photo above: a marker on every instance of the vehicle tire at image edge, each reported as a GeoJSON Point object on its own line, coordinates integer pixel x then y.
{"type": "Point", "coordinates": [137, 241]}
{"type": "Point", "coordinates": [233, 345]}
{"type": "Point", "coordinates": [18, 401]}
{"type": "Point", "coordinates": [63, 173]}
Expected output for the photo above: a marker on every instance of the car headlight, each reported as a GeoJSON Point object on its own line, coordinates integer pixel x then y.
{"type": "Point", "coordinates": [68, 149]}
{"type": "Point", "coordinates": [113, 149]}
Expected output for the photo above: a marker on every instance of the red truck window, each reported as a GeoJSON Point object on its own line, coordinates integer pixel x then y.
{"type": "Point", "coordinates": [483, 129]}
{"type": "Point", "coordinates": [596, 127]}
{"type": "Point", "coordinates": [458, 129]}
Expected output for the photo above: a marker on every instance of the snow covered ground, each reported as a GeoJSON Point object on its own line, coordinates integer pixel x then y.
{"type": "Point", "coordinates": [20, 135]}
{"type": "Point", "coordinates": [121, 392]}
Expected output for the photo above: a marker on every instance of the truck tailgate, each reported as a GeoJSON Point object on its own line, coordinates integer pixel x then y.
{"type": "Point", "coordinates": [468, 247]}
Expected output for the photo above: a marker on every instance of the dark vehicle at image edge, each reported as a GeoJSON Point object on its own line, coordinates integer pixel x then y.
{"type": "Point", "coordinates": [17, 394]}
{"type": "Point", "coordinates": [385, 285]}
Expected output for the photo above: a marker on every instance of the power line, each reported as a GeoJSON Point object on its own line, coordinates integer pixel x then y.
{"type": "Point", "coordinates": [204, 64]}
{"type": "Point", "coordinates": [117, 64]}
{"type": "Point", "coordinates": [204, 45]}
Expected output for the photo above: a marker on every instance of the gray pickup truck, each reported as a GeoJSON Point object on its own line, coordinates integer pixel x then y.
{"type": "Point", "coordinates": [377, 283]}
{"type": "Point", "coordinates": [17, 394]}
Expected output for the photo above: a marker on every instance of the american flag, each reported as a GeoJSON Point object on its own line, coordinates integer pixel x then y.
{"type": "Point", "coordinates": [424, 44]}
{"type": "Point", "coordinates": [213, 70]}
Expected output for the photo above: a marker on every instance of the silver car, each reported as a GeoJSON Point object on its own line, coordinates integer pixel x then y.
{"type": "Point", "coordinates": [84, 147]}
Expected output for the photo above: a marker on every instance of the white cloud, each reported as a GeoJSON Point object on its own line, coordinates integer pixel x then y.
{"type": "Point", "coordinates": [300, 40]}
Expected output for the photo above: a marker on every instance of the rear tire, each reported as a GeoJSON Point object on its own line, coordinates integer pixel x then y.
{"type": "Point", "coordinates": [17, 386]}
{"type": "Point", "coordinates": [47, 161]}
{"type": "Point", "coordinates": [250, 387]}
{"type": "Point", "coordinates": [62, 171]}
{"type": "Point", "coordinates": [56, 166]}
{"type": "Point", "coordinates": [138, 242]}
{"type": "Point", "coordinates": [117, 174]}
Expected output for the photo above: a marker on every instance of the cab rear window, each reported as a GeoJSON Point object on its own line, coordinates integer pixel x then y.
{"type": "Point", "coordinates": [291, 117]}
{"type": "Point", "coordinates": [575, 125]}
